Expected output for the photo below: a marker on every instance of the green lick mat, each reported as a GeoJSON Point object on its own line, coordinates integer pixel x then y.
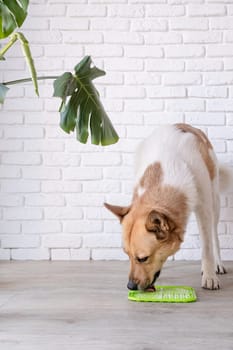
{"type": "Point", "coordinates": [165, 294]}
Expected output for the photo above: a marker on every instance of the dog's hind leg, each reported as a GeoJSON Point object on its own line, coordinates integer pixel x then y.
{"type": "Point", "coordinates": [204, 215]}
{"type": "Point", "coordinates": [219, 267]}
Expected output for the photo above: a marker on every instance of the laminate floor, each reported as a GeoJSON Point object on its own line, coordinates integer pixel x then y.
{"type": "Point", "coordinates": [84, 306]}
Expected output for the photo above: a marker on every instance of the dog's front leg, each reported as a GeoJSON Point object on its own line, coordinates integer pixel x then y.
{"type": "Point", "coordinates": [205, 222]}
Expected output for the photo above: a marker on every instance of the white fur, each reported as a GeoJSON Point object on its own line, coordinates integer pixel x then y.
{"type": "Point", "coordinates": [184, 168]}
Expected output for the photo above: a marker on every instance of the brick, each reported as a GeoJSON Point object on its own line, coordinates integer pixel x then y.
{"type": "Point", "coordinates": [220, 132]}
{"type": "Point", "coordinates": [79, 199]}
{"type": "Point", "coordinates": [206, 10]}
{"type": "Point", "coordinates": [22, 213]}
{"type": "Point", "coordinates": [185, 105]}
{"type": "Point", "coordinates": [44, 200]}
{"type": "Point", "coordinates": [20, 241]}
{"type": "Point", "coordinates": [82, 226]}
{"type": "Point", "coordinates": [227, 254]}
{"type": "Point", "coordinates": [44, 36]}
{"type": "Point", "coordinates": [60, 254]}
{"type": "Point", "coordinates": [138, 131]}
{"type": "Point", "coordinates": [63, 213]}
{"type": "Point", "coordinates": [43, 145]}
{"type": "Point", "coordinates": [9, 172]}
{"type": "Point", "coordinates": [71, 24]}
{"type": "Point", "coordinates": [33, 23]}
{"type": "Point", "coordinates": [182, 79]}
{"type": "Point", "coordinates": [82, 37]}
{"type": "Point", "coordinates": [102, 241]}
{"type": "Point", "coordinates": [228, 36]}
{"type": "Point", "coordinates": [188, 23]}
{"type": "Point", "coordinates": [162, 118]}
{"type": "Point", "coordinates": [82, 173]}
{"type": "Point", "coordinates": [226, 241]}
{"type": "Point", "coordinates": [220, 105]}
{"type": "Point", "coordinates": [144, 105]}
{"type": "Point", "coordinates": [86, 11]}
{"type": "Point", "coordinates": [66, 50]}
{"type": "Point", "coordinates": [9, 200]}
{"type": "Point", "coordinates": [202, 37]}
{"type": "Point", "coordinates": [61, 241]}
{"type": "Point", "coordinates": [5, 254]}
{"type": "Point", "coordinates": [10, 118]}
{"type": "Point", "coordinates": [207, 92]}
{"type": "Point", "coordinates": [108, 254]}
{"type": "Point", "coordinates": [164, 11]}
{"type": "Point", "coordinates": [190, 51]}
{"type": "Point", "coordinates": [225, 78]}
{"type": "Point", "coordinates": [204, 65]}
{"type": "Point", "coordinates": [20, 186]}
{"type": "Point", "coordinates": [145, 51]}
{"type": "Point", "coordinates": [142, 78]}
{"type": "Point", "coordinates": [120, 24]}
{"type": "Point", "coordinates": [130, 11]}
{"type": "Point", "coordinates": [61, 186]}
{"type": "Point", "coordinates": [41, 173]}
{"type": "Point", "coordinates": [221, 50]}
{"type": "Point", "coordinates": [221, 23]}
{"type": "Point", "coordinates": [24, 132]}
{"type": "Point", "coordinates": [112, 227]}
{"type": "Point", "coordinates": [105, 186]}
{"type": "Point", "coordinates": [30, 254]}
{"type": "Point", "coordinates": [164, 65]}
{"type": "Point", "coordinates": [25, 104]}
{"type": "Point", "coordinates": [140, 25]}
{"type": "Point", "coordinates": [163, 38]}
{"type": "Point", "coordinates": [188, 254]}
{"type": "Point", "coordinates": [80, 254]}
{"type": "Point", "coordinates": [104, 50]}
{"type": "Point", "coordinates": [11, 145]}
{"type": "Point", "coordinates": [9, 227]}
{"type": "Point", "coordinates": [21, 158]}
{"type": "Point", "coordinates": [41, 227]}
{"type": "Point", "coordinates": [125, 92]}
{"type": "Point", "coordinates": [205, 118]}
{"type": "Point", "coordinates": [166, 92]}
{"type": "Point", "coordinates": [50, 10]}
{"type": "Point", "coordinates": [61, 159]}
{"type": "Point", "coordinates": [119, 173]}
{"type": "Point", "coordinates": [219, 146]}
{"type": "Point", "coordinates": [113, 37]}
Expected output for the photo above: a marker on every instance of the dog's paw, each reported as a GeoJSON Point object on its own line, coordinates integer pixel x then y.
{"type": "Point", "coordinates": [210, 281]}
{"type": "Point", "coordinates": [220, 270]}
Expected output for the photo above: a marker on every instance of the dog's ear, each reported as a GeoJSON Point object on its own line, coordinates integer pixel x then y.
{"type": "Point", "coordinates": [119, 211]}
{"type": "Point", "coordinates": [160, 224]}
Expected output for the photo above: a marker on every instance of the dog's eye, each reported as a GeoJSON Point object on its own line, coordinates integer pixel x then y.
{"type": "Point", "coordinates": [142, 260]}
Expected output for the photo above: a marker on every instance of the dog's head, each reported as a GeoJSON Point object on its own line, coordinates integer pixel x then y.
{"type": "Point", "coordinates": [150, 236]}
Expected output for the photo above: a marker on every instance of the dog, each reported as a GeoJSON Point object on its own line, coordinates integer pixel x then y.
{"type": "Point", "coordinates": [176, 173]}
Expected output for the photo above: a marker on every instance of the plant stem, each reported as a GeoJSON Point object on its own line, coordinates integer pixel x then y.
{"type": "Point", "coordinates": [26, 80]}
{"type": "Point", "coordinates": [8, 45]}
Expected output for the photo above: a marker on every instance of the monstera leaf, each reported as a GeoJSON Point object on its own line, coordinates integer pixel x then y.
{"type": "Point", "coordinates": [81, 108]}
{"type": "Point", "coordinates": [12, 15]}
{"type": "Point", "coordinates": [3, 91]}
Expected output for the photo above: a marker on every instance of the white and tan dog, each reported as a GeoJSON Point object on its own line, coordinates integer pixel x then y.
{"type": "Point", "coordinates": [176, 173]}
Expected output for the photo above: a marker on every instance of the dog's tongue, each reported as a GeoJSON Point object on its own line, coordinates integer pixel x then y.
{"type": "Point", "coordinates": [150, 289]}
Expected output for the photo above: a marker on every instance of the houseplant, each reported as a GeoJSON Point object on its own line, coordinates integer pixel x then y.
{"type": "Point", "coordinates": [81, 109]}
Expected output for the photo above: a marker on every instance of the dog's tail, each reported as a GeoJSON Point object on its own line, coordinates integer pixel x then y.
{"type": "Point", "coordinates": [225, 178]}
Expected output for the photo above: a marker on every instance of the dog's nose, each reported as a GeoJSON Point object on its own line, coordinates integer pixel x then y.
{"type": "Point", "coordinates": [132, 285]}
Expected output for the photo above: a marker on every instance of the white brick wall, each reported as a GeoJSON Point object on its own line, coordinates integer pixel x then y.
{"type": "Point", "coordinates": [167, 61]}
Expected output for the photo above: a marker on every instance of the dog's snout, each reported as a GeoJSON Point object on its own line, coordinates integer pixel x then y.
{"type": "Point", "coordinates": [132, 285]}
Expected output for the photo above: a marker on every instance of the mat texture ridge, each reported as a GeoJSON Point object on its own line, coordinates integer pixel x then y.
{"type": "Point", "coordinates": [165, 294]}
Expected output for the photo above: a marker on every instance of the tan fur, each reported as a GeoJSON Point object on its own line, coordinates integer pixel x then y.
{"type": "Point", "coordinates": [170, 204]}
{"type": "Point", "coordinates": [204, 146]}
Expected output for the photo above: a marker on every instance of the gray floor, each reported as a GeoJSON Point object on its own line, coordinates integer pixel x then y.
{"type": "Point", "coordinates": [83, 305]}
